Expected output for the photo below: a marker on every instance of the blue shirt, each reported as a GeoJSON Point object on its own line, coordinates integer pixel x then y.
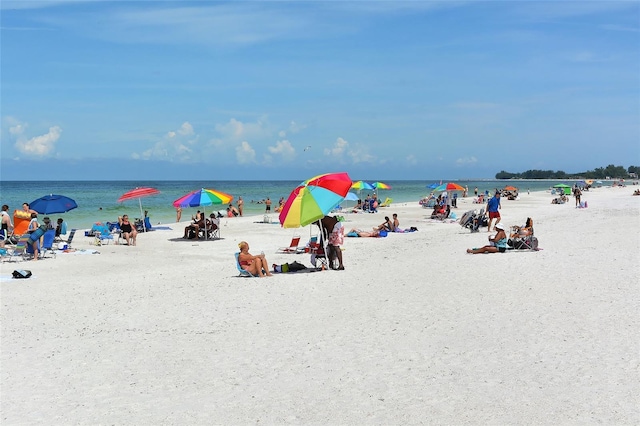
{"type": "Point", "coordinates": [493, 204]}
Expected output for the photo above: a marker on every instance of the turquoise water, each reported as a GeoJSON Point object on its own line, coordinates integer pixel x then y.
{"type": "Point", "coordinates": [97, 200]}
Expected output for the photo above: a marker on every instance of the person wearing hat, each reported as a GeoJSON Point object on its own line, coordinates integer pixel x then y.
{"type": "Point", "coordinates": [497, 243]}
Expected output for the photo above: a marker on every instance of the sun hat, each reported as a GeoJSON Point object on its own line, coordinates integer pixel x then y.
{"type": "Point", "coordinates": [499, 226]}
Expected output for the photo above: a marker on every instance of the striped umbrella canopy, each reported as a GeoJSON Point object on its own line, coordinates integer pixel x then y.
{"type": "Point", "coordinates": [380, 185]}
{"type": "Point", "coordinates": [450, 186]}
{"type": "Point", "coordinates": [138, 193]}
{"type": "Point", "coordinates": [360, 185]}
{"type": "Point", "coordinates": [313, 199]}
{"type": "Point", "coordinates": [203, 197]}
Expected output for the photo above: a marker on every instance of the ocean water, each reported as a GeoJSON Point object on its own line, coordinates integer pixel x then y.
{"type": "Point", "coordinates": [97, 200]}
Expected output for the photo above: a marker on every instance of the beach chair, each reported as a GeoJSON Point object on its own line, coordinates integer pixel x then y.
{"type": "Point", "coordinates": [47, 244]}
{"type": "Point", "coordinates": [523, 242]}
{"type": "Point", "coordinates": [63, 231]}
{"type": "Point", "coordinates": [318, 255]}
{"type": "Point", "coordinates": [21, 221]}
{"type": "Point", "coordinates": [19, 251]}
{"type": "Point", "coordinates": [293, 246]}
{"type": "Point", "coordinates": [68, 240]}
{"type": "Point", "coordinates": [386, 202]}
{"type": "Point", "coordinates": [243, 272]}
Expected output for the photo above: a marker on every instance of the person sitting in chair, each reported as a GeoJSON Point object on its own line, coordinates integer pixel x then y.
{"type": "Point", "coordinates": [192, 230]}
{"type": "Point", "coordinates": [522, 231]}
{"type": "Point", "coordinates": [256, 265]}
{"type": "Point", "coordinates": [497, 243]}
{"type": "Point", "coordinates": [129, 232]}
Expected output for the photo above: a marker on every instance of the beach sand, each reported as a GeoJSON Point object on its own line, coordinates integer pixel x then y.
{"type": "Point", "coordinates": [413, 331]}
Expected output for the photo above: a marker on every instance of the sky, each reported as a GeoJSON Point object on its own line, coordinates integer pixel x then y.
{"type": "Point", "coordinates": [277, 90]}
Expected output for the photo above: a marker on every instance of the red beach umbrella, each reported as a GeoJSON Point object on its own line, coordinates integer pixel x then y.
{"type": "Point", "coordinates": [138, 193]}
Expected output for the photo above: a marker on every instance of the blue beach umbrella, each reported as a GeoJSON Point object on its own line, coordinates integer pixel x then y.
{"type": "Point", "coordinates": [51, 204]}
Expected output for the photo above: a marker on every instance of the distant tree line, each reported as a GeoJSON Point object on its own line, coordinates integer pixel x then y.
{"type": "Point", "coordinates": [611, 171]}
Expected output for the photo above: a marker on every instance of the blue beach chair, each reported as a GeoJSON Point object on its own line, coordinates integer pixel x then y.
{"type": "Point", "coordinates": [243, 273]}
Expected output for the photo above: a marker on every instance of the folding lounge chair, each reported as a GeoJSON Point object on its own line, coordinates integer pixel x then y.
{"type": "Point", "coordinates": [293, 247]}
{"type": "Point", "coordinates": [243, 272]}
{"type": "Point", "coordinates": [71, 235]}
{"type": "Point", "coordinates": [318, 254]}
{"type": "Point", "coordinates": [19, 251]}
{"type": "Point", "coordinates": [386, 202]}
{"type": "Point", "coordinates": [524, 242]}
{"type": "Point", "coordinates": [47, 244]}
{"type": "Point", "coordinates": [21, 221]}
{"type": "Point", "coordinates": [102, 234]}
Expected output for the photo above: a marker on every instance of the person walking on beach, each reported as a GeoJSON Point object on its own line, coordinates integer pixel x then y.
{"type": "Point", "coordinates": [240, 205]}
{"type": "Point", "coordinates": [267, 205]}
{"type": "Point", "coordinates": [178, 213]}
{"type": "Point", "coordinates": [475, 191]}
{"type": "Point", "coordinates": [493, 205]}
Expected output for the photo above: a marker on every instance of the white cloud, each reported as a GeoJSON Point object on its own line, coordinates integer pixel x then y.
{"type": "Point", "coordinates": [338, 149]}
{"type": "Point", "coordinates": [283, 150]}
{"type": "Point", "coordinates": [186, 129]}
{"type": "Point", "coordinates": [37, 146]}
{"type": "Point", "coordinates": [295, 127]}
{"type": "Point", "coordinates": [466, 160]}
{"type": "Point", "coordinates": [177, 145]}
{"type": "Point", "coordinates": [245, 154]}
{"type": "Point", "coordinates": [411, 160]}
{"type": "Point", "coordinates": [342, 150]}
{"type": "Point", "coordinates": [17, 130]}
{"type": "Point", "coordinates": [236, 130]}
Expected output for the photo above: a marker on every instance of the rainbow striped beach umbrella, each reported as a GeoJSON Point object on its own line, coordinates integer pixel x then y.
{"type": "Point", "coordinates": [380, 185]}
{"type": "Point", "coordinates": [313, 199]}
{"type": "Point", "coordinates": [360, 185]}
{"type": "Point", "coordinates": [203, 197]}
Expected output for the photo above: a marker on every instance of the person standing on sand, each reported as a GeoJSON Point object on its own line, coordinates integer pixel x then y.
{"type": "Point", "coordinates": [178, 213]}
{"type": "Point", "coordinates": [493, 205]}
{"type": "Point", "coordinates": [240, 205]}
{"type": "Point", "coordinates": [475, 191]}
{"type": "Point", "coordinates": [267, 203]}
{"type": "Point", "coordinates": [577, 193]}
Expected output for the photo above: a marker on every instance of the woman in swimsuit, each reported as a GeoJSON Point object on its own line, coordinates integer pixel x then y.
{"type": "Point", "coordinates": [256, 265]}
{"type": "Point", "coordinates": [498, 244]}
{"type": "Point", "coordinates": [129, 232]}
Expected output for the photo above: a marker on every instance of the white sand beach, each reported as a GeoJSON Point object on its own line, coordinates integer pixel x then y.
{"type": "Point", "coordinates": [413, 331]}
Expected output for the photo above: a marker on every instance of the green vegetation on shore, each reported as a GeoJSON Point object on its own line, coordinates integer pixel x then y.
{"type": "Point", "coordinates": [611, 171]}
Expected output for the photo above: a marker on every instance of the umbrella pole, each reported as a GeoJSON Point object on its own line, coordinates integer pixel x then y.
{"type": "Point", "coordinates": [204, 213]}
{"type": "Point", "coordinates": [144, 226]}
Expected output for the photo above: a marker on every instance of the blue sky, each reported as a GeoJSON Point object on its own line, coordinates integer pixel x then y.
{"type": "Point", "coordinates": [286, 90]}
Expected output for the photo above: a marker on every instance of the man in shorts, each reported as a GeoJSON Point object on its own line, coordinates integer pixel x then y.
{"type": "Point", "coordinates": [493, 207]}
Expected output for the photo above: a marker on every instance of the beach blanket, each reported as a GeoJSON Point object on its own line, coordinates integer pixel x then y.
{"type": "Point", "coordinates": [8, 278]}
{"type": "Point", "coordinates": [76, 251]}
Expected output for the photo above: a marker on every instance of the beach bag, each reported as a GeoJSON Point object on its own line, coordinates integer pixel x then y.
{"type": "Point", "coordinates": [295, 266]}
{"type": "Point", "coordinates": [383, 233]}
{"type": "Point", "coordinates": [21, 273]}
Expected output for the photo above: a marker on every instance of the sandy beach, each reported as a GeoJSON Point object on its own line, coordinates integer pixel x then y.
{"type": "Point", "coordinates": [413, 331]}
